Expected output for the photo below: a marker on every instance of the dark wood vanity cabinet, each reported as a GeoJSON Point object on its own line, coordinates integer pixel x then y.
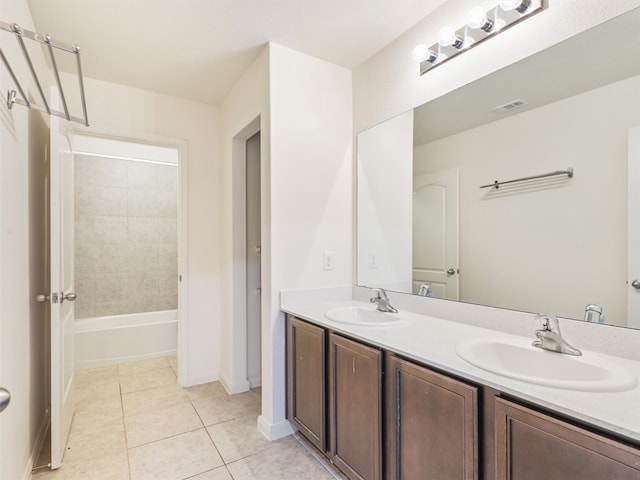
{"type": "Point", "coordinates": [306, 378]}
{"type": "Point", "coordinates": [355, 408]}
{"type": "Point", "coordinates": [431, 424]}
{"type": "Point", "coordinates": [531, 445]}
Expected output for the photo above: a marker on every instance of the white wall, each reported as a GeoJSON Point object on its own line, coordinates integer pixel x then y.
{"type": "Point", "coordinates": [121, 111]}
{"type": "Point", "coordinates": [389, 83]}
{"type": "Point", "coordinates": [311, 197]}
{"type": "Point", "coordinates": [384, 199]}
{"type": "Point", "coordinates": [23, 135]}
{"type": "Point", "coordinates": [549, 228]}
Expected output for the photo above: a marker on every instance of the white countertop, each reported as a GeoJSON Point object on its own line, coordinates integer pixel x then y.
{"type": "Point", "coordinates": [432, 342]}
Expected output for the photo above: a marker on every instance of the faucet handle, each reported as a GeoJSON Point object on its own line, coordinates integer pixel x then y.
{"type": "Point", "coordinates": [549, 322]}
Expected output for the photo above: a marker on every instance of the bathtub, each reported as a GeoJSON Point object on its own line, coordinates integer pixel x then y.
{"type": "Point", "coordinates": [116, 339]}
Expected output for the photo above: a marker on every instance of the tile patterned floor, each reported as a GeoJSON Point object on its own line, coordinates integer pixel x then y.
{"type": "Point", "coordinates": [133, 422]}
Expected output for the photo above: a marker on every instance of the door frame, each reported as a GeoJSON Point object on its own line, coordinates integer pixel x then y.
{"type": "Point", "coordinates": [183, 225]}
{"type": "Point", "coordinates": [235, 380]}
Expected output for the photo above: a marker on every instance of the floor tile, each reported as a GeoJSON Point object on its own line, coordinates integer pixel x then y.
{"type": "Point", "coordinates": [142, 401]}
{"type": "Point", "coordinates": [213, 410]}
{"type": "Point", "coordinates": [104, 467]}
{"type": "Point", "coordinates": [96, 375]}
{"type": "Point", "coordinates": [286, 459]}
{"type": "Point", "coordinates": [156, 424]}
{"type": "Point", "coordinates": [238, 438]}
{"type": "Point", "coordinates": [97, 389]}
{"type": "Point", "coordinates": [220, 473]}
{"type": "Point", "coordinates": [156, 377]}
{"type": "Point", "coordinates": [174, 458]}
{"type": "Point", "coordinates": [141, 366]}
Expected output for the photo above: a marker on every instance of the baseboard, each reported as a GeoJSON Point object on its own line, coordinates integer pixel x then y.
{"type": "Point", "coordinates": [233, 388]}
{"type": "Point", "coordinates": [255, 382]}
{"type": "Point", "coordinates": [274, 432]}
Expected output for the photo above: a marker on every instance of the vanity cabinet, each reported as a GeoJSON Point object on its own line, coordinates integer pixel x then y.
{"type": "Point", "coordinates": [532, 445]}
{"type": "Point", "coordinates": [355, 399]}
{"type": "Point", "coordinates": [306, 377]}
{"type": "Point", "coordinates": [431, 424]}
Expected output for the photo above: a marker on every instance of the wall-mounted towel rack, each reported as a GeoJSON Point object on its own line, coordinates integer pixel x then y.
{"type": "Point", "coordinates": [496, 184]}
{"type": "Point", "coordinates": [50, 44]}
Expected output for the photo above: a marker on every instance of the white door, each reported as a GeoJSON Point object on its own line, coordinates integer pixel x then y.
{"type": "Point", "coordinates": [435, 233]}
{"type": "Point", "coordinates": [62, 288]}
{"type": "Point", "coordinates": [633, 244]}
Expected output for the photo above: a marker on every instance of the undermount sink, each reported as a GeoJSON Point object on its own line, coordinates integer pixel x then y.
{"type": "Point", "coordinates": [518, 359]}
{"type": "Point", "coordinates": [363, 316]}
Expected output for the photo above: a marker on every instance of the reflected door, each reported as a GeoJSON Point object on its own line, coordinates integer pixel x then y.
{"type": "Point", "coordinates": [633, 244]}
{"type": "Point", "coordinates": [62, 289]}
{"type": "Point", "coordinates": [435, 233]}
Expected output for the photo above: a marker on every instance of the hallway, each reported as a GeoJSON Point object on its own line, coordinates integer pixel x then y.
{"type": "Point", "coordinates": [133, 422]}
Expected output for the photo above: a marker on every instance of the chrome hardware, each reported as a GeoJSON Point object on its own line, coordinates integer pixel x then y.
{"type": "Point", "coordinates": [258, 249]}
{"type": "Point", "coordinates": [382, 301]}
{"type": "Point", "coordinates": [549, 337]}
{"type": "Point", "coordinates": [54, 297]}
{"type": "Point", "coordinates": [450, 272]}
{"type": "Point", "coordinates": [5, 398]}
{"type": "Point", "coordinates": [259, 291]}
{"type": "Point", "coordinates": [593, 313]}
{"type": "Point", "coordinates": [69, 296]}
{"type": "Point", "coordinates": [42, 298]}
{"type": "Point", "coordinates": [425, 290]}
{"type": "Point", "coordinates": [636, 284]}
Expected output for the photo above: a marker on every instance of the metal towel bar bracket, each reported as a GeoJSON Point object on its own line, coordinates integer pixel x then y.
{"type": "Point", "coordinates": [568, 172]}
{"type": "Point", "coordinates": [50, 43]}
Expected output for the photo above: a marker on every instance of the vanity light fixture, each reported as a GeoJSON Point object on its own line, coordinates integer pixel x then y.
{"type": "Point", "coordinates": [481, 24]}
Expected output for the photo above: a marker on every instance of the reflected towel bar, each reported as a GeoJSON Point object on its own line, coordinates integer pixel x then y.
{"type": "Point", "coordinates": [568, 172]}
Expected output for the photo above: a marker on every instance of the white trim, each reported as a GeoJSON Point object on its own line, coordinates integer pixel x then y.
{"type": "Point", "coordinates": [274, 432]}
{"type": "Point", "coordinates": [233, 388]}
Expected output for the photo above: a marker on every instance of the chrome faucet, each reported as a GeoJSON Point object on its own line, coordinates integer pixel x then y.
{"type": "Point", "coordinates": [382, 301]}
{"type": "Point", "coordinates": [425, 290]}
{"type": "Point", "coordinates": [593, 313]}
{"type": "Point", "coordinates": [549, 337]}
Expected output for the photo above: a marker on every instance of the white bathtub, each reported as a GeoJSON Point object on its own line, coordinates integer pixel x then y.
{"type": "Point", "coordinates": [104, 341]}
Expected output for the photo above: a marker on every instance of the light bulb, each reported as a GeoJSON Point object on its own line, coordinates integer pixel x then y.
{"type": "Point", "coordinates": [447, 37]}
{"type": "Point", "coordinates": [422, 53]}
{"type": "Point", "coordinates": [518, 5]}
{"type": "Point", "coordinates": [477, 18]}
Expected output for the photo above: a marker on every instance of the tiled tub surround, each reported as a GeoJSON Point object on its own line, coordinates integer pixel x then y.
{"type": "Point", "coordinates": [125, 236]}
{"type": "Point", "coordinates": [431, 341]}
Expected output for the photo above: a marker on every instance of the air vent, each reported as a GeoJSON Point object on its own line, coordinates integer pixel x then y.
{"type": "Point", "coordinates": [507, 107]}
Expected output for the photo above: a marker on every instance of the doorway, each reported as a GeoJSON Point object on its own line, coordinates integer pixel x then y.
{"type": "Point", "coordinates": [253, 263]}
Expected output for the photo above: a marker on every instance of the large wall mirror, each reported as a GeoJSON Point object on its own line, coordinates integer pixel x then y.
{"type": "Point", "coordinates": [555, 244]}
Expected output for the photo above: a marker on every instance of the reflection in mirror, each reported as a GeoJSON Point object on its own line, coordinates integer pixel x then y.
{"type": "Point", "coordinates": [555, 244]}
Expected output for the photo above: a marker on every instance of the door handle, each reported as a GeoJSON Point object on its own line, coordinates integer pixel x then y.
{"type": "Point", "coordinates": [450, 272]}
{"type": "Point", "coordinates": [42, 298]}
{"type": "Point", "coordinates": [636, 284]}
{"type": "Point", "coordinates": [71, 296]}
{"type": "Point", "coordinates": [5, 398]}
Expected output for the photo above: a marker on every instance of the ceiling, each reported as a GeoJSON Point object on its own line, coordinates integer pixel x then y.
{"type": "Point", "coordinates": [197, 49]}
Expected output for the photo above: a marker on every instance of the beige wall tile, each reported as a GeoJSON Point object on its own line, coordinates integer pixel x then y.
{"type": "Point", "coordinates": [142, 175]}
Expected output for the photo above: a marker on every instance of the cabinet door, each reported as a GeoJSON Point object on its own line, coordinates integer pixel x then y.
{"type": "Point", "coordinates": [531, 446]}
{"type": "Point", "coordinates": [306, 378]}
{"type": "Point", "coordinates": [355, 372]}
{"type": "Point", "coordinates": [432, 426]}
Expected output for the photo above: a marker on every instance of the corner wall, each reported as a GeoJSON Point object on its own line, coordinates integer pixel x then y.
{"type": "Point", "coordinates": [311, 199]}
